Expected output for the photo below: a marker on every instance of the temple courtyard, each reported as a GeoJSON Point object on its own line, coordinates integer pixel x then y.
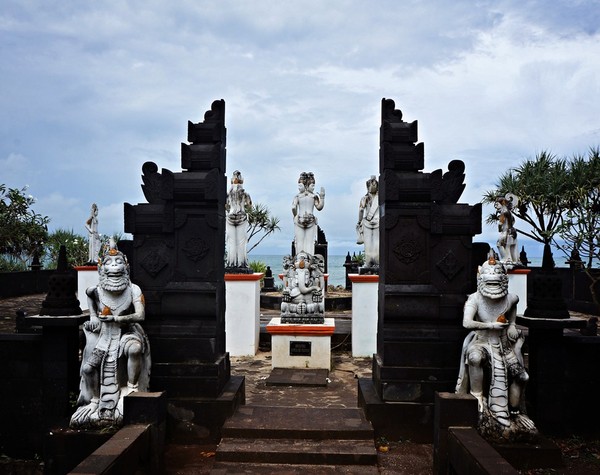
{"type": "Point", "coordinates": [403, 457]}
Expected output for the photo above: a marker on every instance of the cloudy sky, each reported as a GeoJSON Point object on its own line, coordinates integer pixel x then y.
{"type": "Point", "coordinates": [92, 90]}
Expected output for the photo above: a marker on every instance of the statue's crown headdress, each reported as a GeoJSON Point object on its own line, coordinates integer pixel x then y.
{"type": "Point", "coordinates": [237, 178]}
{"type": "Point", "coordinates": [492, 261]}
{"type": "Point", "coordinates": [110, 249]}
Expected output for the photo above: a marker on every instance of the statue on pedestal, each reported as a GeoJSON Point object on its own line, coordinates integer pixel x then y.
{"type": "Point", "coordinates": [94, 237]}
{"type": "Point", "coordinates": [367, 228]}
{"type": "Point", "coordinates": [237, 206]}
{"type": "Point", "coordinates": [116, 357]}
{"type": "Point", "coordinates": [507, 241]}
{"type": "Point", "coordinates": [491, 367]}
{"type": "Point", "coordinates": [305, 222]}
{"type": "Point", "coordinates": [304, 291]}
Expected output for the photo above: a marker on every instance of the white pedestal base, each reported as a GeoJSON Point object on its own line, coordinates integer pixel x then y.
{"type": "Point", "coordinates": [364, 314]}
{"type": "Point", "coordinates": [87, 276]}
{"type": "Point", "coordinates": [301, 345]}
{"type": "Point", "coordinates": [242, 313]}
{"type": "Point", "coordinates": [517, 284]}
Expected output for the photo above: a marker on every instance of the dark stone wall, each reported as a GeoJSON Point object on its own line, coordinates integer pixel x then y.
{"type": "Point", "coordinates": [575, 289]}
{"type": "Point", "coordinates": [21, 393]}
{"type": "Point", "coordinates": [581, 385]}
{"type": "Point", "coordinates": [15, 284]}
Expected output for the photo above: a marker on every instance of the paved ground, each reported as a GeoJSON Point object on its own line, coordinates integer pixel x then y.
{"type": "Point", "coordinates": [581, 456]}
{"type": "Point", "coordinates": [341, 391]}
{"type": "Point", "coordinates": [29, 303]}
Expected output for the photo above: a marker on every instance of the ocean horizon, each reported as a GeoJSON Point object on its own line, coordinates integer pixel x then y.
{"type": "Point", "coordinates": [335, 267]}
{"type": "Point", "coordinates": [337, 271]}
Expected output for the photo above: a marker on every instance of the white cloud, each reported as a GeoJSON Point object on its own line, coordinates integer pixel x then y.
{"type": "Point", "coordinates": [92, 91]}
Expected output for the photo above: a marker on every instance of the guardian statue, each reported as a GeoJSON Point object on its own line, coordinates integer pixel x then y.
{"type": "Point", "coordinates": [116, 356]}
{"type": "Point", "coordinates": [491, 367]}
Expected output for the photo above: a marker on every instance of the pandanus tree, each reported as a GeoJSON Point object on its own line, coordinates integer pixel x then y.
{"type": "Point", "coordinates": [559, 201]}
{"type": "Point", "coordinates": [579, 232]}
{"type": "Point", "coordinates": [261, 223]}
{"type": "Point", "coordinates": [540, 185]}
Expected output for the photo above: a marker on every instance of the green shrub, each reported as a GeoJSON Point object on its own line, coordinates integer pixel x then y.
{"type": "Point", "coordinates": [258, 266]}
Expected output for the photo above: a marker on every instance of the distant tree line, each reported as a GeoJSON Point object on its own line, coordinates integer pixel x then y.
{"type": "Point", "coordinates": [24, 236]}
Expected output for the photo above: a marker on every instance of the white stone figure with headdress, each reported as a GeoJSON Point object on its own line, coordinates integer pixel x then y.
{"type": "Point", "coordinates": [94, 241]}
{"type": "Point", "coordinates": [116, 356]}
{"type": "Point", "coordinates": [303, 206]}
{"type": "Point", "coordinates": [507, 240]}
{"type": "Point", "coordinates": [367, 228]}
{"type": "Point", "coordinates": [237, 206]}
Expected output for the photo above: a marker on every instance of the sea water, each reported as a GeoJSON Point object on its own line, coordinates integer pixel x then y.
{"type": "Point", "coordinates": [337, 271]}
{"type": "Point", "coordinates": [335, 267]}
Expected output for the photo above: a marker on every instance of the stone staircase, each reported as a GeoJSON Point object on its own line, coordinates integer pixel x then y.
{"type": "Point", "coordinates": [265, 439]}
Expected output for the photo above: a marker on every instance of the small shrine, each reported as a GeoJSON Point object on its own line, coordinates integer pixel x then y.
{"type": "Point", "coordinates": [301, 336]}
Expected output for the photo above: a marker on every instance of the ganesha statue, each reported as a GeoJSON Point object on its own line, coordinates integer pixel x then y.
{"type": "Point", "coordinates": [303, 294]}
{"type": "Point", "coordinates": [116, 356]}
{"type": "Point", "coordinates": [491, 366]}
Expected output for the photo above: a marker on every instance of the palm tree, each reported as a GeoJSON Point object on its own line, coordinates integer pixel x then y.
{"type": "Point", "coordinates": [260, 222]}
{"type": "Point", "coordinates": [540, 185]}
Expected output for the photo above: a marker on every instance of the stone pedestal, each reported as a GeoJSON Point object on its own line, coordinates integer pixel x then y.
{"type": "Point", "coordinates": [60, 350]}
{"type": "Point", "coordinates": [242, 313]}
{"type": "Point", "coordinates": [87, 276]}
{"type": "Point", "coordinates": [301, 345]}
{"type": "Point", "coordinates": [517, 284]}
{"type": "Point", "coordinates": [364, 314]}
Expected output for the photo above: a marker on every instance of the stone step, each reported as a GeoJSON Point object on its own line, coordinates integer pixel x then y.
{"type": "Point", "coordinates": [272, 437]}
{"type": "Point", "coordinates": [268, 422]}
{"type": "Point", "coordinates": [297, 451]}
{"type": "Point", "coordinates": [231, 468]}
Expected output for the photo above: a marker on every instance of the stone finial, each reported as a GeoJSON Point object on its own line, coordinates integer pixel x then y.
{"type": "Point", "coordinates": [61, 299]}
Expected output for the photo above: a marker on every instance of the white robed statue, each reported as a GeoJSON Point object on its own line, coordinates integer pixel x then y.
{"type": "Point", "coordinates": [237, 206]}
{"type": "Point", "coordinates": [94, 243]}
{"type": "Point", "coordinates": [507, 239]}
{"type": "Point", "coordinates": [367, 229]}
{"type": "Point", "coordinates": [305, 222]}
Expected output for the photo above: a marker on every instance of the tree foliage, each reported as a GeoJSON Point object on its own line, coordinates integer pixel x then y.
{"type": "Point", "coordinates": [76, 246]}
{"type": "Point", "coordinates": [540, 185]}
{"type": "Point", "coordinates": [260, 224]}
{"type": "Point", "coordinates": [580, 230]}
{"type": "Point", "coordinates": [559, 198]}
{"type": "Point", "coordinates": [22, 230]}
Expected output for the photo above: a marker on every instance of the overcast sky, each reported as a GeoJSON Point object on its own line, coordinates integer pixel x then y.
{"type": "Point", "coordinates": [92, 90]}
